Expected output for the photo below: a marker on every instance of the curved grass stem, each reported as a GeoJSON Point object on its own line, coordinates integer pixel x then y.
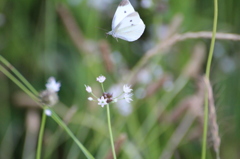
{"type": "Point", "coordinates": [40, 137]}
{"type": "Point", "coordinates": [209, 61]}
{"type": "Point", "coordinates": [19, 84]}
{"type": "Point", "coordinates": [69, 132]}
{"type": "Point", "coordinates": [19, 75]}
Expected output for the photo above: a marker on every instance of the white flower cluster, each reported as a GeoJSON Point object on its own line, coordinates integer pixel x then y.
{"type": "Point", "coordinates": [107, 97]}
{"type": "Point", "coordinates": [49, 96]}
{"type": "Point", "coordinates": [52, 85]}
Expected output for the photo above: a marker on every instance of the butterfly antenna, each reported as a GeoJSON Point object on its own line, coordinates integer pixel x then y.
{"type": "Point", "coordinates": [102, 29]}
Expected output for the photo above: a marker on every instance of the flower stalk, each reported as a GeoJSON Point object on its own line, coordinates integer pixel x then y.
{"type": "Point", "coordinates": [110, 132]}
{"type": "Point", "coordinates": [209, 61]}
{"type": "Point", "coordinates": [40, 137]}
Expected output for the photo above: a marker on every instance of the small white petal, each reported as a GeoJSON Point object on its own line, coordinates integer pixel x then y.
{"type": "Point", "coordinates": [90, 98]}
{"type": "Point", "coordinates": [88, 89]}
{"type": "Point", "coordinates": [115, 100]}
{"type": "Point", "coordinates": [48, 112]}
{"type": "Point", "coordinates": [127, 97]}
{"type": "Point", "coordinates": [102, 101]}
{"type": "Point", "coordinates": [101, 79]}
{"type": "Point", "coordinates": [53, 85]}
{"type": "Point", "coordinates": [127, 89]}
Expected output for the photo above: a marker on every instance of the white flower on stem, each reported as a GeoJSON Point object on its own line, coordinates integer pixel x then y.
{"type": "Point", "coordinates": [88, 89]}
{"type": "Point", "coordinates": [90, 98]}
{"type": "Point", "coordinates": [115, 100]}
{"type": "Point", "coordinates": [52, 85]}
{"type": "Point", "coordinates": [48, 112]}
{"type": "Point", "coordinates": [127, 89]}
{"type": "Point", "coordinates": [127, 97]}
{"type": "Point", "coordinates": [102, 101]}
{"type": "Point", "coordinates": [101, 79]}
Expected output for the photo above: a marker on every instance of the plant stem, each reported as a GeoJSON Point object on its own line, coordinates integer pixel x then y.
{"type": "Point", "coordinates": [102, 87]}
{"type": "Point", "coordinates": [18, 74]}
{"type": "Point", "coordinates": [210, 55]}
{"type": "Point", "coordinates": [16, 81]}
{"type": "Point", "coordinates": [69, 132]}
{"type": "Point", "coordinates": [54, 116]}
{"type": "Point", "coordinates": [40, 137]}
{"type": "Point", "coordinates": [110, 132]}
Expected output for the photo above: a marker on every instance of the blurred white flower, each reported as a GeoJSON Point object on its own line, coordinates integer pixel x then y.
{"type": "Point", "coordinates": [53, 85]}
{"type": "Point", "coordinates": [101, 79]}
{"type": "Point", "coordinates": [227, 64]}
{"type": "Point", "coordinates": [127, 97]}
{"type": "Point", "coordinates": [90, 98]}
{"type": "Point", "coordinates": [145, 76]}
{"type": "Point", "coordinates": [146, 3]}
{"type": "Point", "coordinates": [124, 108]}
{"type": "Point", "coordinates": [100, 5]}
{"type": "Point", "coordinates": [168, 85]}
{"type": "Point", "coordinates": [127, 89]}
{"type": "Point", "coordinates": [102, 101]}
{"type": "Point", "coordinates": [48, 112]}
{"type": "Point", "coordinates": [88, 89]}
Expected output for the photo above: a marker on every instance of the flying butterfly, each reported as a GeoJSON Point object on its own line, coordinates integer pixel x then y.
{"type": "Point", "coordinates": [126, 23]}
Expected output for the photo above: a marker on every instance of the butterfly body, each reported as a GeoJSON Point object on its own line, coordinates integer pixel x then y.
{"type": "Point", "coordinates": [127, 24]}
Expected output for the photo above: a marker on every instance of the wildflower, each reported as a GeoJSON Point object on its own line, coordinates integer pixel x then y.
{"type": "Point", "coordinates": [53, 85]}
{"type": "Point", "coordinates": [49, 96]}
{"type": "Point", "coordinates": [127, 97]}
{"type": "Point", "coordinates": [101, 79]}
{"type": "Point", "coordinates": [90, 98]}
{"type": "Point", "coordinates": [102, 101]}
{"type": "Point", "coordinates": [127, 89]}
{"type": "Point", "coordinates": [124, 93]}
{"type": "Point", "coordinates": [108, 96]}
{"type": "Point", "coordinates": [88, 89]}
{"type": "Point", "coordinates": [48, 112]}
{"type": "Point", "coordinates": [124, 108]}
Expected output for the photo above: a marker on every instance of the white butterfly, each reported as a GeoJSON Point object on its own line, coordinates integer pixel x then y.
{"type": "Point", "coordinates": [127, 24]}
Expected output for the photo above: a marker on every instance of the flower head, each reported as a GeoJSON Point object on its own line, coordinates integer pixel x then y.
{"type": "Point", "coordinates": [88, 89]}
{"type": "Point", "coordinates": [127, 97]}
{"type": "Point", "coordinates": [108, 96]}
{"type": "Point", "coordinates": [127, 89]}
{"type": "Point", "coordinates": [90, 98]}
{"type": "Point", "coordinates": [101, 79]}
{"type": "Point", "coordinates": [102, 101]}
{"type": "Point", "coordinates": [52, 85]}
{"type": "Point", "coordinates": [48, 112]}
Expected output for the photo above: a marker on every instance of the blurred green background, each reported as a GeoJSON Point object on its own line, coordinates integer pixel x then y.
{"type": "Point", "coordinates": [67, 39]}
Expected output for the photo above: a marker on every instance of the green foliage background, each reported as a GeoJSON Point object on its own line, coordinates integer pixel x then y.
{"type": "Point", "coordinates": [34, 39]}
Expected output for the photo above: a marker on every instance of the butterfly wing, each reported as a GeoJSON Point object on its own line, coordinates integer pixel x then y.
{"type": "Point", "coordinates": [130, 28]}
{"type": "Point", "coordinates": [124, 9]}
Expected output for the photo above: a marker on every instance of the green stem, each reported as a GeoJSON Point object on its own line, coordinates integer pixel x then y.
{"type": "Point", "coordinates": [54, 116]}
{"type": "Point", "coordinates": [69, 132]}
{"type": "Point", "coordinates": [16, 81]}
{"type": "Point", "coordinates": [110, 132]}
{"type": "Point", "coordinates": [40, 137]}
{"type": "Point", "coordinates": [18, 74]}
{"type": "Point", "coordinates": [102, 87]}
{"type": "Point", "coordinates": [210, 55]}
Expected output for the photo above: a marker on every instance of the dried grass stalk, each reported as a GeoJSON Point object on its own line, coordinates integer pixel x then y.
{"type": "Point", "coordinates": [213, 126]}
